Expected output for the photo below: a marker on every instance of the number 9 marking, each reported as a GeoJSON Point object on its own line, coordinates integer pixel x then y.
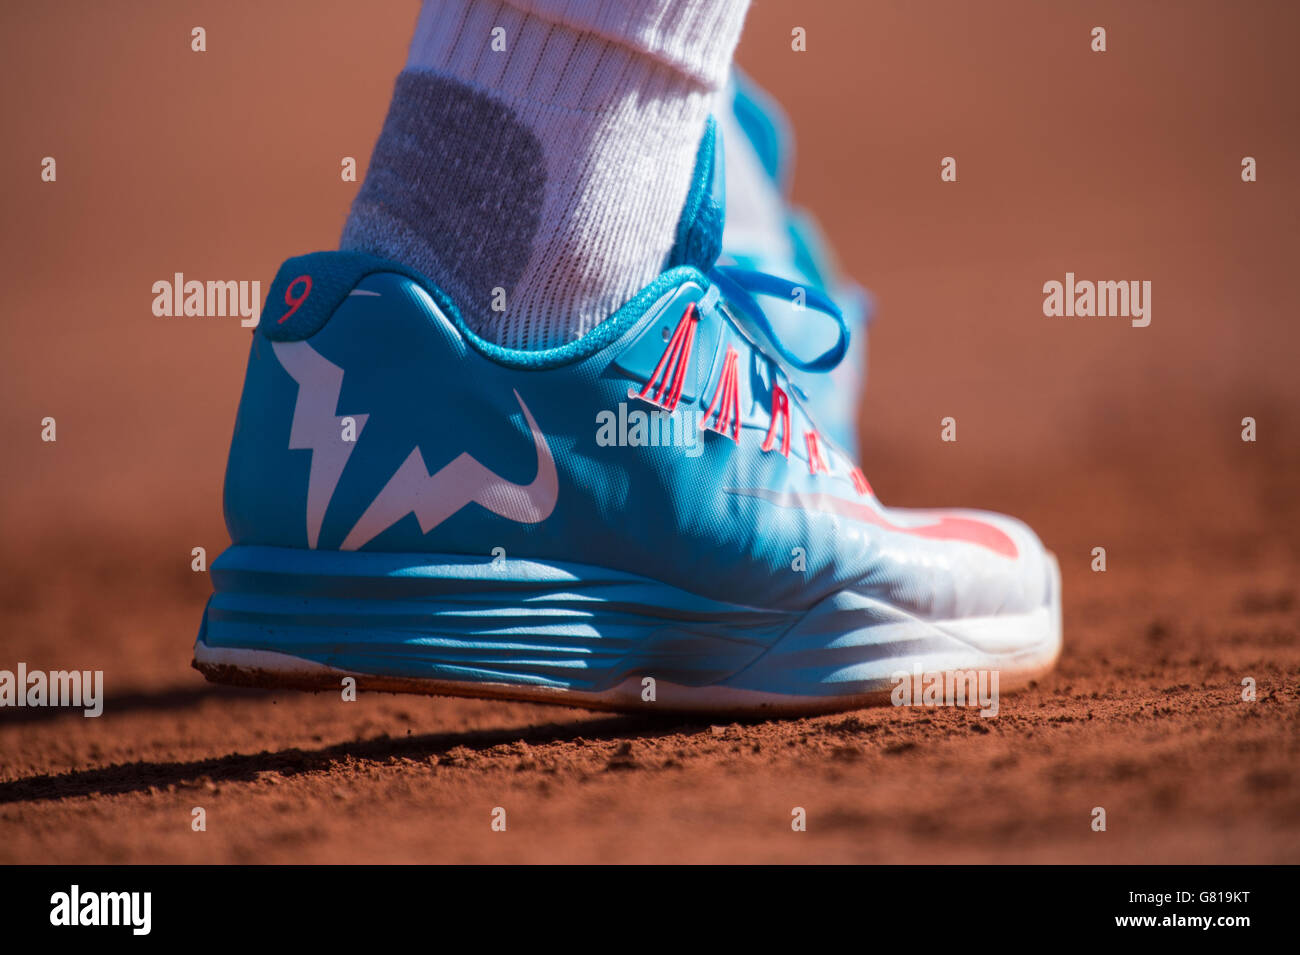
{"type": "Point", "coordinates": [295, 303]}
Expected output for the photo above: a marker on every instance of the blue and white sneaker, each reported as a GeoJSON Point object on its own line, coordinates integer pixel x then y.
{"type": "Point", "coordinates": [646, 518]}
{"type": "Point", "coordinates": [769, 234]}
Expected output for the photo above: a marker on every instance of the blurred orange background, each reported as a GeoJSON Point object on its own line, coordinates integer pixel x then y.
{"type": "Point", "coordinates": [1115, 165]}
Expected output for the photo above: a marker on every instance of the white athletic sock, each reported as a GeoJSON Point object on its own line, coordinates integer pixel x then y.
{"type": "Point", "coordinates": [551, 172]}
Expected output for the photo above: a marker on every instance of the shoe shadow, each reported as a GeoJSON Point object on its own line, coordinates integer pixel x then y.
{"type": "Point", "coordinates": [143, 776]}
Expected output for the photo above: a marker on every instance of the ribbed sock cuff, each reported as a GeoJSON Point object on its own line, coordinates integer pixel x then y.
{"type": "Point", "coordinates": [693, 38]}
{"type": "Point", "coordinates": [546, 160]}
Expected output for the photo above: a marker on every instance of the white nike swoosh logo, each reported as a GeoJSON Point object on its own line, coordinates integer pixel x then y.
{"type": "Point", "coordinates": [433, 498]}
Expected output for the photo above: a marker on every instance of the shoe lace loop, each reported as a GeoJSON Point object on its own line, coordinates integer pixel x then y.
{"type": "Point", "coordinates": [739, 286]}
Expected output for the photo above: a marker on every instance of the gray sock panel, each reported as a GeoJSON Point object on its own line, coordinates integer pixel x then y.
{"type": "Point", "coordinates": [454, 190]}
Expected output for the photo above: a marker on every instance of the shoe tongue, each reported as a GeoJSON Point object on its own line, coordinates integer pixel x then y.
{"type": "Point", "coordinates": [699, 232]}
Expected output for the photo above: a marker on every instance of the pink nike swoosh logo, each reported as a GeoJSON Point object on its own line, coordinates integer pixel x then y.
{"type": "Point", "coordinates": [433, 498]}
{"type": "Point", "coordinates": [944, 528]}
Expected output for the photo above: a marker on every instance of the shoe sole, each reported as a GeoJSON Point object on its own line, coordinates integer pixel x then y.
{"type": "Point", "coordinates": [575, 635]}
